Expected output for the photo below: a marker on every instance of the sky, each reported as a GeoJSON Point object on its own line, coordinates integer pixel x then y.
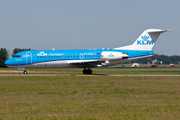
{"type": "Point", "coordinates": [87, 24]}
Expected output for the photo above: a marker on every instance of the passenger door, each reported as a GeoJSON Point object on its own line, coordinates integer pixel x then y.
{"type": "Point", "coordinates": [28, 58]}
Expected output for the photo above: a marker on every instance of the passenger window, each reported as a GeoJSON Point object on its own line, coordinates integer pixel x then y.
{"type": "Point", "coordinates": [77, 55]}
{"type": "Point", "coordinates": [40, 56]}
{"type": "Point", "coordinates": [49, 56]}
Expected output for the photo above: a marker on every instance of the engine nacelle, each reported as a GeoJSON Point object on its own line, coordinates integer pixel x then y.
{"type": "Point", "coordinates": [108, 55]}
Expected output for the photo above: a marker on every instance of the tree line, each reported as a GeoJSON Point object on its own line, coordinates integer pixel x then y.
{"type": "Point", "coordinates": [4, 54]}
{"type": "Point", "coordinates": [161, 59]}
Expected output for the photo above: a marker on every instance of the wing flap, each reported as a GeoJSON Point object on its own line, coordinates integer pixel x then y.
{"type": "Point", "coordinates": [90, 63]}
{"type": "Point", "coordinates": [80, 61]}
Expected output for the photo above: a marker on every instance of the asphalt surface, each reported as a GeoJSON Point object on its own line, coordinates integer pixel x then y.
{"type": "Point", "coordinates": [35, 74]}
{"type": "Point", "coordinates": [131, 75]}
{"type": "Point", "coordinates": [90, 75]}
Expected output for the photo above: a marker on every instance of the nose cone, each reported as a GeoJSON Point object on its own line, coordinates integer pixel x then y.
{"type": "Point", "coordinates": [8, 62]}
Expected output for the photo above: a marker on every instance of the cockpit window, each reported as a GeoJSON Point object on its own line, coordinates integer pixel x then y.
{"type": "Point", "coordinates": [17, 56]}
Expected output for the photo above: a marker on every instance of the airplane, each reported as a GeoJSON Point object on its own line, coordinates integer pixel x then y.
{"type": "Point", "coordinates": [87, 58]}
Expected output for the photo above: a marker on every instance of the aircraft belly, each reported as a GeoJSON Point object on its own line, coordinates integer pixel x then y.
{"type": "Point", "coordinates": [52, 64]}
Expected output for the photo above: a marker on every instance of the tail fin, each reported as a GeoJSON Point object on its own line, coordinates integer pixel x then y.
{"type": "Point", "coordinates": [146, 40]}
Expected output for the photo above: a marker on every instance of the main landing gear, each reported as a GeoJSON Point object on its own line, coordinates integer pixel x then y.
{"type": "Point", "coordinates": [87, 71]}
{"type": "Point", "coordinates": [25, 72]}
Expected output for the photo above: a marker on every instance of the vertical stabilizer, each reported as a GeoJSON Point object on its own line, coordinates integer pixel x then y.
{"type": "Point", "coordinates": [145, 41]}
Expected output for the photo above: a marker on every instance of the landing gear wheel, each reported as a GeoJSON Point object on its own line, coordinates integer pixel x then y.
{"type": "Point", "coordinates": [84, 71]}
{"type": "Point", "coordinates": [25, 72]}
{"type": "Point", "coordinates": [87, 71]}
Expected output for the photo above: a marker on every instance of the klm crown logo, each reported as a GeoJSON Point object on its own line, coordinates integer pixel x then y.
{"type": "Point", "coordinates": [145, 41]}
{"type": "Point", "coordinates": [111, 55]}
{"type": "Point", "coordinates": [145, 37]}
{"type": "Point", "coordinates": [41, 54]}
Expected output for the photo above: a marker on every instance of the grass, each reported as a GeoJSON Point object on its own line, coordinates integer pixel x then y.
{"type": "Point", "coordinates": [104, 70]}
{"type": "Point", "coordinates": [102, 97]}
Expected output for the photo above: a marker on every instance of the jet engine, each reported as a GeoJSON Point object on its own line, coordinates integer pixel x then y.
{"type": "Point", "coordinates": [113, 55]}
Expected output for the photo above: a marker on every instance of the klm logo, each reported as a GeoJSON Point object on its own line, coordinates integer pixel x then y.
{"type": "Point", "coordinates": [145, 41]}
{"type": "Point", "coordinates": [111, 55]}
{"type": "Point", "coordinates": [145, 37]}
{"type": "Point", "coordinates": [41, 54]}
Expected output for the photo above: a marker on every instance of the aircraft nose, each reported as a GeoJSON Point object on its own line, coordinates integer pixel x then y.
{"type": "Point", "coordinates": [8, 62]}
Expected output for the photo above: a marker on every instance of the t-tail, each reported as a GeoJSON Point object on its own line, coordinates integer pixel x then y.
{"type": "Point", "coordinates": [145, 41]}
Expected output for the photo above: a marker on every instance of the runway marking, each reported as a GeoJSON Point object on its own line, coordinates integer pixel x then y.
{"type": "Point", "coordinates": [130, 75]}
{"type": "Point", "coordinates": [90, 75]}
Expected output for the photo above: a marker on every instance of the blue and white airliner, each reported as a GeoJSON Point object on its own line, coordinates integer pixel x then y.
{"type": "Point", "coordinates": [87, 59]}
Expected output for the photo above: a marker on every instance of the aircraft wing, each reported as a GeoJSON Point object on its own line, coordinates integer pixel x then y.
{"type": "Point", "coordinates": [85, 63]}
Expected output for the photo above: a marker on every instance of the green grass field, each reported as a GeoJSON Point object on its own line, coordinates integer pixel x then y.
{"type": "Point", "coordinates": [89, 97]}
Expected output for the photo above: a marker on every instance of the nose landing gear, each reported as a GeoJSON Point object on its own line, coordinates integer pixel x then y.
{"type": "Point", "coordinates": [25, 72]}
{"type": "Point", "coordinates": [87, 71]}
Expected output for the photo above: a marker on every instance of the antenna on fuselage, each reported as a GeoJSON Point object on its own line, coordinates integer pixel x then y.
{"type": "Point", "coordinates": [53, 49]}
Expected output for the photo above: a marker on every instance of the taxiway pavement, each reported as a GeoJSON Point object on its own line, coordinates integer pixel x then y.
{"type": "Point", "coordinates": [90, 75]}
